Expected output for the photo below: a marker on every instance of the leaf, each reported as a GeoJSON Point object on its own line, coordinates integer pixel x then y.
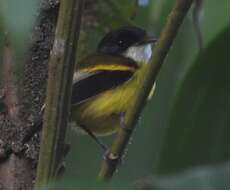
{"type": "Point", "coordinates": [206, 178]}
{"type": "Point", "coordinates": [73, 183]}
{"type": "Point", "coordinates": [197, 16]}
{"type": "Point", "coordinates": [198, 127]}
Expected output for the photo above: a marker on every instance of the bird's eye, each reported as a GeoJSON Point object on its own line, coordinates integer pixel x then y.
{"type": "Point", "coordinates": [120, 42]}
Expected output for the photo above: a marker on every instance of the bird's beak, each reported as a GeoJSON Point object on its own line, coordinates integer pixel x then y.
{"type": "Point", "coordinates": [147, 40]}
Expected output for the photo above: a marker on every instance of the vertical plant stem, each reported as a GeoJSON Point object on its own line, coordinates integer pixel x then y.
{"type": "Point", "coordinates": [61, 68]}
{"type": "Point", "coordinates": [163, 45]}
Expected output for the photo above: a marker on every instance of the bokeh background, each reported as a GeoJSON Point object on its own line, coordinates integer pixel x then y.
{"type": "Point", "coordinates": [182, 139]}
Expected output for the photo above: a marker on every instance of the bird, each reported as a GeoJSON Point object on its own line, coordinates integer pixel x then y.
{"type": "Point", "coordinates": [105, 82]}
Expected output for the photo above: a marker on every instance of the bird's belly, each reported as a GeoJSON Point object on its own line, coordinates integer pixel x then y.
{"type": "Point", "coordinates": [101, 113]}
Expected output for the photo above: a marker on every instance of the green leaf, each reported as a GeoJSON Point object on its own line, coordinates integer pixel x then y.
{"type": "Point", "coordinates": [73, 183]}
{"type": "Point", "coordinates": [206, 178]}
{"type": "Point", "coordinates": [198, 127]}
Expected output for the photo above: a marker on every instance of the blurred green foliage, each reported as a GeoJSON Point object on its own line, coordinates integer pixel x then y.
{"type": "Point", "coordinates": [184, 126]}
{"type": "Point", "coordinates": [198, 125]}
{"type": "Point", "coordinates": [156, 146]}
{"type": "Point", "coordinates": [16, 20]}
{"type": "Point", "coordinates": [202, 178]}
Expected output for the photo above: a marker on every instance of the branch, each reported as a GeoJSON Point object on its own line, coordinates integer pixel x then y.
{"type": "Point", "coordinates": [61, 68]}
{"type": "Point", "coordinates": [165, 41]}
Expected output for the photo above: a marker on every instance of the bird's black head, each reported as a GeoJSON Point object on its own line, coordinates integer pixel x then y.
{"type": "Point", "coordinates": [118, 41]}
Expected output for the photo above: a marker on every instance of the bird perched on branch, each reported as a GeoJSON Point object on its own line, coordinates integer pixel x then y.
{"type": "Point", "coordinates": [105, 83]}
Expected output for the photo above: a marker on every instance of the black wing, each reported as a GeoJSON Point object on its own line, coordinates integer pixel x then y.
{"type": "Point", "coordinates": [98, 83]}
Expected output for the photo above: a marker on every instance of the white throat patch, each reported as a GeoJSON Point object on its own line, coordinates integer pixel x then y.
{"type": "Point", "coordinates": [140, 53]}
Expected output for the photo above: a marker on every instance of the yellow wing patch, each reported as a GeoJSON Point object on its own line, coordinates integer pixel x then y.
{"type": "Point", "coordinates": [109, 67]}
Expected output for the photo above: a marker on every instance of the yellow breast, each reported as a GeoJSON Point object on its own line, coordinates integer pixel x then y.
{"type": "Point", "coordinates": [101, 113]}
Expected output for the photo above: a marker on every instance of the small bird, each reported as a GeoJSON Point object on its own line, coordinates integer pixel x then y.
{"type": "Point", "coordinates": [105, 82]}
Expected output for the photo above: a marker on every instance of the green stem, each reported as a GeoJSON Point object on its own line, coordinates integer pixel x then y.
{"type": "Point", "coordinates": [161, 50]}
{"type": "Point", "coordinates": [61, 67]}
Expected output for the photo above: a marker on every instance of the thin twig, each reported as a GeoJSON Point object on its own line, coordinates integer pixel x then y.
{"type": "Point", "coordinates": [61, 67]}
{"type": "Point", "coordinates": [165, 41]}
